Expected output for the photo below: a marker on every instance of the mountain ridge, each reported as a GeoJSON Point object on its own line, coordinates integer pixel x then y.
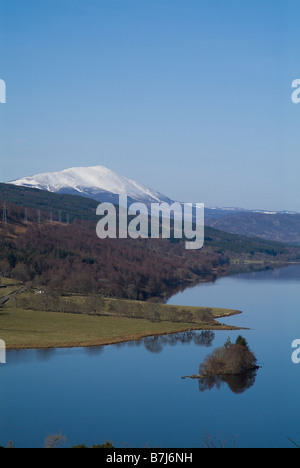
{"type": "Point", "coordinates": [65, 254]}
{"type": "Point", "coordinates": [100, 184]}
{"type": "Point", "coordinates": [96, 182]}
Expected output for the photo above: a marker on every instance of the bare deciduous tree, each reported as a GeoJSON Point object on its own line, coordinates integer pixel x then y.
{"type": "Point", "coordinates": [55, 441]}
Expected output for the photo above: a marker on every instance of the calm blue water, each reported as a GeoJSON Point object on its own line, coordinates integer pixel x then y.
{"type": "Point", "coordinates": [133, 393]}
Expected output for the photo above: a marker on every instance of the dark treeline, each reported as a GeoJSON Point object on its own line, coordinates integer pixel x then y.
{"type": "Point", "coordinates": [76, 206]}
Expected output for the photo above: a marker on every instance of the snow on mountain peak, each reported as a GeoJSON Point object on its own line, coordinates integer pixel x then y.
{"type": "Point", "coordinates": [90, 181]}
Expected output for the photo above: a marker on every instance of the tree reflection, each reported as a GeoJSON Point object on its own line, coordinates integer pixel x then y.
{"type": "Point", "coordinates": [156, 344]}
{"type": "Point", "coordinates": [237, 383]}
{"type": "Point", "coordinates": [205, 338]}
{"type": "Point", "coordinates": [94, 350]}
{"type": "Point", "coordinates": [44, 354]}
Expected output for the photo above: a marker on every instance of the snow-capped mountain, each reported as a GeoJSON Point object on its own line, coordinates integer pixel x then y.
{"type": "Point", "coordinates": [104, 185]}
{"type": "Point", "coordinates": [99, 183]}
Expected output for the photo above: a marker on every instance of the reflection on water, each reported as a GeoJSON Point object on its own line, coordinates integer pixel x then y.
{"type": "Point", "coordinates": [251, 271]}
{"type": "Point", "coordinates": [94, 350]}
{"type": "Point", "coordinates": [45, 390]}
{"type": "Point", "coordinates": [156, 344]}
{"type": "Point", "coordinates": [45, 354]}
{"type": "Point", "coordinates": [153, 344]}
{"type": "Point", "coordinates": [237, 383]}
{"type": "Point", "coordinates": [292, 272]}
{"type": "Point", "coordinates": [29, 355]}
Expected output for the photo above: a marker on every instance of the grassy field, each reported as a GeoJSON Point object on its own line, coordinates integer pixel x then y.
{"type": "Point", "coordinates": [139, 309]}
{"type": "Point", "coordinates": [37, 329]}
{"type": "Point", "coordinates": [26, 328]}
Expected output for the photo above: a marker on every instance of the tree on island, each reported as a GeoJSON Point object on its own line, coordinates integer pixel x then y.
{"type": "Point", "coordinates": [231, 359]}
{"type": "Point", "coordinates": [234, 364]}
{"type": "Point", "coordinates": [242, 341]}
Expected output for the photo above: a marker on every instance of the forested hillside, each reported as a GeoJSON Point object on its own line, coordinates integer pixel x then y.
{"type": "Point", "coordinates": [280, 227]}
{"type": "Point", "coordinates": [74, 206]}
{"type": "Point", "coordinates": [35, 248]}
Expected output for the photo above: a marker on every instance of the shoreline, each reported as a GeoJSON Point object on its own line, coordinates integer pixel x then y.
{"type": "Point", "coordinates": [109, 341]}
{"type": "Point", "coordinates": [87, 340]}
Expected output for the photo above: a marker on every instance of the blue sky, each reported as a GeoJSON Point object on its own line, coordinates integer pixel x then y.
{"type": "Point", "coordinates": [190, 97]}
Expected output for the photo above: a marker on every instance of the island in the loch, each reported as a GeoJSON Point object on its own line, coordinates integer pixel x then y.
{"type": "Point", "coordinates": [233, 359]}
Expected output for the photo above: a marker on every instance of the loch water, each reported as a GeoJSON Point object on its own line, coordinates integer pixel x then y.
{"type": "Point", "coordinates": [133, 394]}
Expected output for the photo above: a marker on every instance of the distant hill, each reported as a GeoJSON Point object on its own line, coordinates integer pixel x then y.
{"type": "Point", "coordinates": [280, 227]}
{"type": "Point", "coordinates": [71, 258]}
{"type": "Point", "coordinates": [103, 185]}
